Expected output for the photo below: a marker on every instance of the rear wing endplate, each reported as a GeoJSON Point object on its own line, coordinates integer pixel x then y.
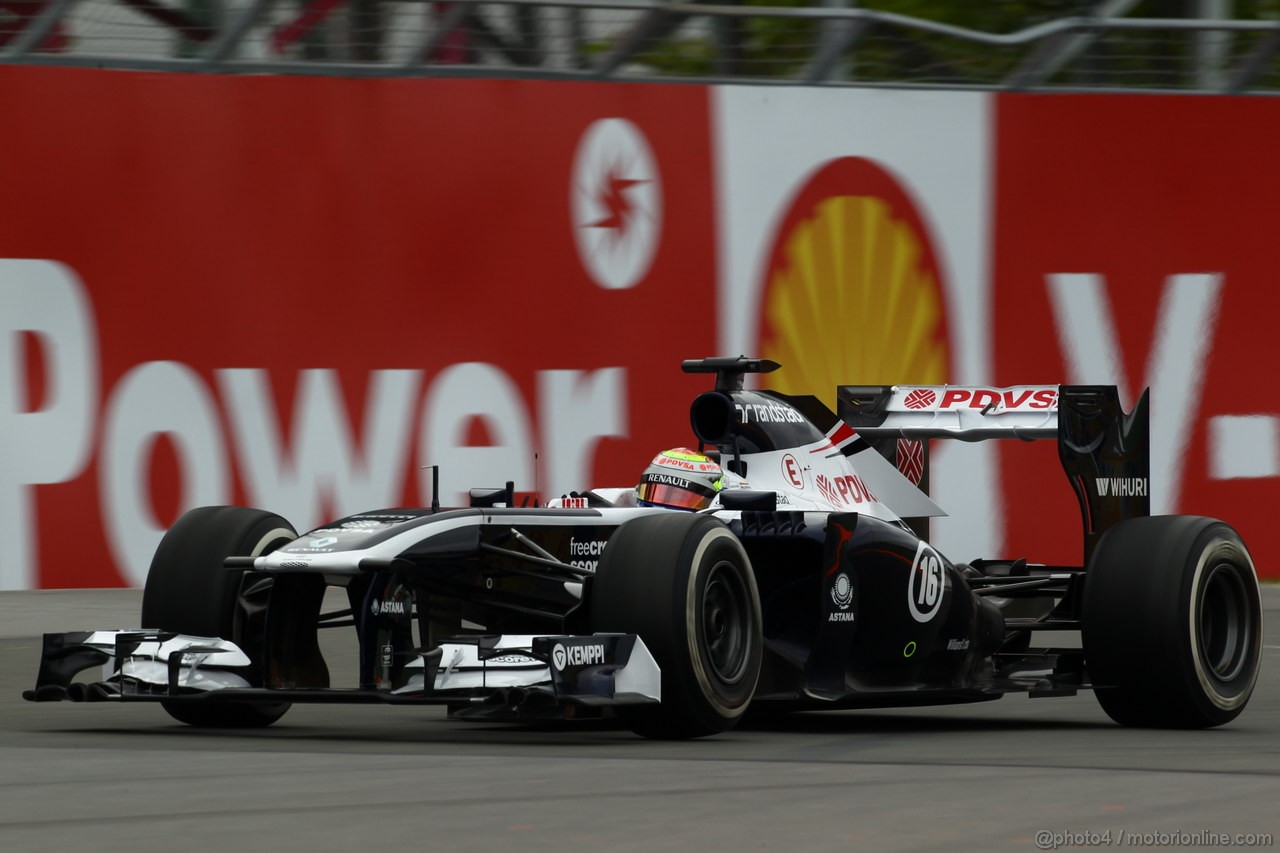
{"type": "Point", "coordinates": [1104, 450]}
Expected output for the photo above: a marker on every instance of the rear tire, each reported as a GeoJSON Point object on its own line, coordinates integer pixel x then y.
{"type": "Point", "coordinates": [684, 584]}
{"type": "Point", "coordinates": [1172, 622]}
{"type": "Point", "coordinates": [189, 591]}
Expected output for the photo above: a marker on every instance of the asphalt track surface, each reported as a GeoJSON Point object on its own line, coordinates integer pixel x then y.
{"type": "Point", "coordinates": [989, 776]}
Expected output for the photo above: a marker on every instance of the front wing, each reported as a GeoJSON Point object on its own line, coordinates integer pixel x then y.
{"type": "Point", "coordinates": [509, 676]}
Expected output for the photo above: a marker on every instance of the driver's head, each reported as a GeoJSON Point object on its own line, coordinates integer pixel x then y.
{"type": "Point", "coordinates": [680, 479]}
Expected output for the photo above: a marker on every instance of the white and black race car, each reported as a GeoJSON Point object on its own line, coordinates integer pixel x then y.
{"type": "Point", "coordinates": [803, 586]}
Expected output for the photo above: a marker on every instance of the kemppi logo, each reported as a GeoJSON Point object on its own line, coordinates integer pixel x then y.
{"type": "Point", "coordinates": [584, 654]}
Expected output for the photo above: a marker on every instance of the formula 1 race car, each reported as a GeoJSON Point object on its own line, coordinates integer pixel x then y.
{"type": "Point", "coordinates": [801, 586]}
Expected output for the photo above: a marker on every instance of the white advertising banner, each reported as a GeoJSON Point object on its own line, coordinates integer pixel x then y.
{"type": "Point", "coordinates": [854, 247]}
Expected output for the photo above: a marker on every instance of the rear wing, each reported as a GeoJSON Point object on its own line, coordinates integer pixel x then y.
{"type": "Point", "coordinates": [1105, 451]}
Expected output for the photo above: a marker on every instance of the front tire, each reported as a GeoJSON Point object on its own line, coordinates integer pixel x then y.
{"type": "Point", "coordinates": [684, 584]}
{"type": "Point", "coordinates": [188, 591]}
{"type": "Point", "coordinates": [1172, 622]}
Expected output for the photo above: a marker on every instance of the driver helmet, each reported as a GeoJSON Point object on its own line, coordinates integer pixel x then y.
{"type": "Point", "coordinates": [680, 479]}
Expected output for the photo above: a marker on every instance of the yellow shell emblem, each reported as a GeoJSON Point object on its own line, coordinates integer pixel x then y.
{"type": "Point", "coordinates": [853, 292]}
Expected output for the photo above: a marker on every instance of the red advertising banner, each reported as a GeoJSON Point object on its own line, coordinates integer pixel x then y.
{"type": "Point", "coordinates": [300, 293]}
{"type": "Point", "coordinates": [296, 292]}
{"type": "Point", "coordinates": [1135, 244]}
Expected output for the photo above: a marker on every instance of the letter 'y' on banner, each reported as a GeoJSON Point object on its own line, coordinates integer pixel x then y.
{"type": "Point", "coordinates": [1184, 332]}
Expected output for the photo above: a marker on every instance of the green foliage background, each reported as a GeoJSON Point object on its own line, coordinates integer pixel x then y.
{"type": "Point", "coordinates": [778, 47]}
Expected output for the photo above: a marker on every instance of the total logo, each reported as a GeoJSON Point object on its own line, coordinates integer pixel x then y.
{"type": "Point", "coordinates": [584, 654]}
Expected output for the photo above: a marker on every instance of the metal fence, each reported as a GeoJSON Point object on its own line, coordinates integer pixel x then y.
{"type": "Point", "coordinates": [644, 39]}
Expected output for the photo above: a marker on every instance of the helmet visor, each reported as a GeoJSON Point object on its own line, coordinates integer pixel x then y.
{"type": "Point", "coordinates": [673, 496]}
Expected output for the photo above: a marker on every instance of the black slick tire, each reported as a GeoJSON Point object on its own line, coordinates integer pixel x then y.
{"type": "Point", "coordinates": [1172, 622]}
{"type": "Point", "coordinates": [189, 591]}
{"type": "Point", "coordinates": [684, 584]}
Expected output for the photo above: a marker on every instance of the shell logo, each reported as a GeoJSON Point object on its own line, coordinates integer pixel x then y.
{"type": "Point", "coordinates": [853, 292]}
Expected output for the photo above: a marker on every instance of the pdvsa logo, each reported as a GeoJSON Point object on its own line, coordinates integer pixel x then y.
{"type": "Point", "coordinates": [921, 398]}
{"type": "Point", "coordinates": [616, 203]}
{"type": "Point", "coordinates": [853, 292]}
{"type": "Point", "coordinates": [844, 490]}
{"type": "Point", "coordinates": [998, 399]}
{"type": "Point", "coordinates": [910, 456]}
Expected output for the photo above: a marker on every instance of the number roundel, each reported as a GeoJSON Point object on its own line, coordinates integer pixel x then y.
{"type": "Point", "coordinates": [924, 584]}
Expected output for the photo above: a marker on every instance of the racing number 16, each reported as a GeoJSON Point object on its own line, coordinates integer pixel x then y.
{"type": "Point", "coordinates": [931, 581]}
{"type": "Point", "coordinates": [924, 585]}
